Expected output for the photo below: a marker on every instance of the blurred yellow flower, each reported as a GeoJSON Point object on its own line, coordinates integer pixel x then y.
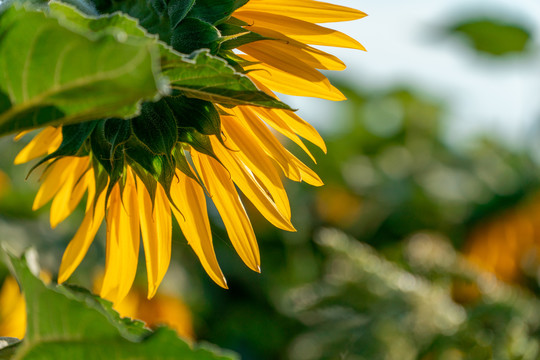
{"type": "Point", "coordinates": [162, 309]}
{"type": "Point", "coordinates": [4, 183]}
{"type": "Point", "coordinates": [250, 158]}
{"type": "Point", "coordinates": [338, 206]}
{"type": "Point", "coordinates": [12, 310]}
{"type": "Point", "coordinates": [507, 245]}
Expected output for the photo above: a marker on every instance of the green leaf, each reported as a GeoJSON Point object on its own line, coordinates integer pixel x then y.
{"type": "Point", "coordinates": [5, 103]}
{"type": "Point", "coordinates": [73, 139]}
{"type": "Point", "coordinates": [70, 323]}
{"type": "Point", "coordinates": [493, 36]}
{"type": "Point", "coordinates": [194, 34]}
{"type": "Point", "coordinates": [117, 23]}
{"type": "Point", "coordinates": [8, 347]}
{"type": "Point", "coordinates": [54, 74]}
{"type": "Point", "coordinates": [210, 78]}
{"type": "Point", "coordinates": [215, 11]}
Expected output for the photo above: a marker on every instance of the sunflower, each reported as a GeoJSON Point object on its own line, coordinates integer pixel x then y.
{"type": "Point", "coordinates": [273, 47]}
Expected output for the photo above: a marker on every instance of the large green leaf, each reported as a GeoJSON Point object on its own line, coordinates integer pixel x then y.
{"type": "Point", "coordinates": [70, 323]}
{"type": "Point", "coordinates": [199, 75]}
{"type": "Point", "coordinates": [210, 78]}
{"type": "Point", "coordinates": [52, 73]}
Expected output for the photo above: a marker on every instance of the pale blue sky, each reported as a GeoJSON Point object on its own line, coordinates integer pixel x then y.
{"type": "Point", "coordinates": [483, 94]}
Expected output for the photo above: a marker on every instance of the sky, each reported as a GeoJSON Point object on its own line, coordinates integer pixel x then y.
{"type": "Point", "coordinates": [484, 94]}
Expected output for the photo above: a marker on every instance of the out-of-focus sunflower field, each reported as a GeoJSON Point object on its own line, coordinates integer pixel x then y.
{"type": "Point", "coordinates": [416, 247]}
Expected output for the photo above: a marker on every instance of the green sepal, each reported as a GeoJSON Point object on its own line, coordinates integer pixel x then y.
{"type": "Point", "coordinates": [178, 10]}
{"type": "Point", "coordinates": [151, 168]}
{"type": "Point", "coordinates": [73, 138]}
{"type": "Point", "coordinates": [215, 11]}
{"type": "Point", "coordinates": [234, 36]}
{"type": "Point", "coordinates": [160, 167]}
{"type": "Point", "coordinates": [197, 141]}
{"type": "Point", "coordinates": [147, 179]}
{"type": "Point", "coordinates": [116, 132]}
{"type": "Point", "coordinates": [222, 112]}
{"type": "Point", "coordinates": [193, 34]}
{"type": "Point", "coordinates": [156, 127]}
{"type": "Point", "coordinates": [198, 114]}
{"type": "Point", "coordinates": [152, 15]}
{"type": "Point", "coordinates": [101, 179]}
{"type": "Point", "coordinates": [233, 60]}
{"type": "Point", "coordinates": [112, 161]}
{"type": "Point", "coordinates": [182, 163]}
{"type": "Point", "coordinates": [235, 21]}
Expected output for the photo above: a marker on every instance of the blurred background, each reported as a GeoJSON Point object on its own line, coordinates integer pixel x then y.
{"type": "Point", "coordinates": [425, 241]}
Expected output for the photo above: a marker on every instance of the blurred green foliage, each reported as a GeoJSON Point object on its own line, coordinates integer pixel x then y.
{"type": "Point", "coordinates": [365, 307]}
{"type": "Point", "coordinates": [493, 35]}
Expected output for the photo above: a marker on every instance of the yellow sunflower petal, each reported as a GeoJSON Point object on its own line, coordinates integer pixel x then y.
{"type": "Point", "coordinates": [307, 10]}
{"type": "Point", "coordinates": [295, 54]}
{"type": "Point", "coordinates": [257, 156]}
{"type": "Point", "coordinates": [162, 216]}
{"type": "Point", "coordinates": [156, 231]}
{"type": "Point", "coordinates": [309, 176]}
{"type": "Point", "coordinates": [298, 30]}
{"type": "Point", "coordinates": [271, 146]}
{"type": "Point", "coordinates": [47, 141]}
{"type": "Point", "coordinates": [293, 121]}
{"type": "Point", "coordinates": [282, 60]}
{"type": "Point", "coordinates": [122, 242]}
{"type": "Point", "coordinates": [55, 177]}
{"type": "Point", "coordinates": [78, 246]}
{"type": "Point", "coordinates": [278, 124]}
{"type": "Point", "coordinates": [189, 197]}
{"type": "Point", "coordinates": [113, 260]}
{"type": "Point", "coordinates": [232, 212]}
{"type": "Point", "coordinates": [298, 125]}
{"type": "Point", "coordinates": [289, 84]}
{"type": "Point", "coordinates": [251, 187]}
{"type": "Point", "coordinates": [69, 196]}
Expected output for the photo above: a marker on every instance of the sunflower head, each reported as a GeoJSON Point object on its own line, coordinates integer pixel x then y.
{"type": "Point", "coordinates": [194, 143]}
